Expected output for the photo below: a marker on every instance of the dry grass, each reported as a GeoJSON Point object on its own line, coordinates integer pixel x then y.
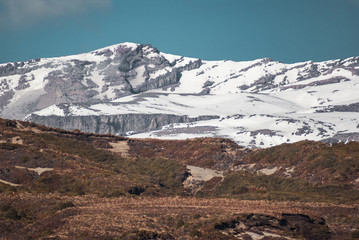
{"type": "Point", "coordinates": [93, 216]}
{"type": "Point", "coordinates": [98, 175]}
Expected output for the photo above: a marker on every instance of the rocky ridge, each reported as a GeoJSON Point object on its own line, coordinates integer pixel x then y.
{"type": "Point", "coordinates": [258, 103]}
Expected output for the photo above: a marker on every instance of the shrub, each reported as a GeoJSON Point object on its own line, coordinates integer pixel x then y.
{"type": "Point", "coordinates": [195, 233]}
{"type": "Point", "coordinates": [9, 146]}
{"type": "Point", "coordinates": [246, 185]}
{"type": "Point", "coordinates": [25, 158]}
{"type": "Point", "coordinates": [355, 234]}
{"type": "Point", "coordinates": [12, 214]}
{"type": "Point", "coordinates": [144, 234]}
{"type": "Point", "coordinates": [116, 193]}
{"type": "Point", "coordinates": [63, 205]}
{"type": "Point", "coordinates": [11, 123]}
{"type": "Point", "coordinates": [136, 190]}
{"type": "Point", "coordinates": [180, 223]}
{"type": "Point", "coordinates": [5, 207]}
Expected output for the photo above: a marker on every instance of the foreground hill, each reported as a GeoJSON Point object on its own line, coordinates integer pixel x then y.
{"type": "Point", "coordinates": [58, 184]}
{"type": "Point", "coordinates": [136, 90]}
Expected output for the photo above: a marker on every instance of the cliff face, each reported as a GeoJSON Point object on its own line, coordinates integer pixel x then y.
{"type": "Point", "coordinates": [115, 124]}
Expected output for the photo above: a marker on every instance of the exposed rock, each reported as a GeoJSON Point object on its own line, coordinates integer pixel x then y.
{"type": "Point", "coordinates": [115, 124]}
{"type": "Point", "coordinates": [354, 107]}
{"type": "Point", "coordinates": [5, 98]}
{"type": "Point", "coordinates": [264, 132]}
{"type": "Point", "coordinates": [305, 129]}
{"type": "Point", "coordinates": [316, 83]}
{"type": "Point", "coordinates": [127, 68]}
{"type": "Point", "coordinates": [289, 225]}
{"type": "Point", "coordinates": [342, 137]}
{"type": "Point", "coordinates": [125, 73]}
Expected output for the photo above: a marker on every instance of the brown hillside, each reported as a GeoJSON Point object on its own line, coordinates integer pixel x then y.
{"type": "Point", "coordinates": [57, 184]}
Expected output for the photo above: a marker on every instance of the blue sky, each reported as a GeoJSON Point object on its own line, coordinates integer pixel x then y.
{"type": "Point", "coordinates": [285, 30]}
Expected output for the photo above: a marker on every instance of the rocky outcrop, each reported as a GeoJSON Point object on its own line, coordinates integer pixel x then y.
{"type": "Point", "coordinates": [139, 79]}
{"type": "Point", "coordinates": [343, 137]}
{"type": "Point", "coordinates": [94, 77]}
{"type": "Point", "coordinates": [288, 225]}
{"type": "Point", "coordinates": [317, 83]}
{"type": "Point", "coordinates": [354, 107]}
{"type": "Point", "coordinates": [19, 68]}
{"type": "Point", "coordinates": [5, 98]}
{"type": "Point", "coordinates": [115, 124]}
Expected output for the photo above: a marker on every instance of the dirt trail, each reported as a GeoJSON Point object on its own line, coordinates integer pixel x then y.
{"type": "Point", "coordinates": [38, 170]}
{"type": "Point", "coordinates": [9, 183]}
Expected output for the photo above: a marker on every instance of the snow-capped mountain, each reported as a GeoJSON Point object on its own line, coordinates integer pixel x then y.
{"type": "Point", "coordinates": [134, 89]}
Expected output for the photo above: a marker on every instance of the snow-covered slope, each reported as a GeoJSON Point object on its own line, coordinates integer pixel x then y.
{"type": "Point", "coordinates": [257, 103]}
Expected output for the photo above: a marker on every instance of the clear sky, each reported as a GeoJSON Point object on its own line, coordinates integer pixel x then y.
{"type": "Point", "coordinates": [285, 30]}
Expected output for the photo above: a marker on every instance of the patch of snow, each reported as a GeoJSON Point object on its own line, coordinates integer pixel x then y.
{"type": "Point", "coordinates": [140, 78]}
{"type": "Point", "coordinates": [170, 57]}
{"type": "Point", "coordinates": [81, 111]}
{"type": "Point", "coordinates": [160, 72]}
{"type": "Point", "coordinates": [246, 96]}
{"type": "Point", "coordinates": [52, 110]}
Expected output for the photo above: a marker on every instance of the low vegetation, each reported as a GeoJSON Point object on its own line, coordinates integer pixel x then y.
{"type": "Point", "coordinates": [244, 185]}
{"type": "Point", "coordinates": [315, 161]}
{"type": "Point", "coordinates": [91, 186]}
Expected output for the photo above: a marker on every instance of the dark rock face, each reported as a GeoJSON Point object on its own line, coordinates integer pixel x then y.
{"type": "Point", "coordinates": [311, 72]}
{"type": "Point", "coordinates": [264, 132]}
{"type": "Point", "coordinates": [5, 98]}
{"type": "Point", "coordinates": [304, 130]}
{"type": "Point", "coordinates": [291, 225]}
{"type": "Point", "coordinates": [343, 137]}
{"type": "Point", "coordinates": [115, 124]}
{"type": "Point", "coordinates": [306, 226]}
{"type": "Point", "coordinates": [354, 107]}
{"type": "Point", "coordinates": [19, 68]}
{"type": "Point", "coordinates": [317, 83]}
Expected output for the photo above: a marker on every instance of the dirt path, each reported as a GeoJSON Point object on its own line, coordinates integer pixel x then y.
{"type": "Point", "coordinates": [9, 183]}
{"type": "Point", "coordinates": [38, 170]}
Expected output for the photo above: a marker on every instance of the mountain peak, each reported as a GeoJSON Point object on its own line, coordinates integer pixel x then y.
{"type": "Point", "coordinates": [113, 48]}
{"type": "Point", "coordinates": [134, 89]}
